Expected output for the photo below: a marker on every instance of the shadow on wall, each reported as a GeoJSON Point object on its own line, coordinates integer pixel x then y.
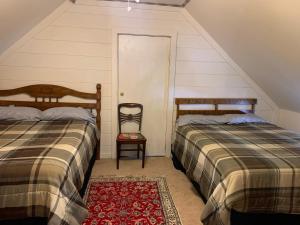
{"type": "Point", "coordinates": [20, 17]}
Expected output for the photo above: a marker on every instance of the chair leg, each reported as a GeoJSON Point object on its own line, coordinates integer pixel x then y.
{"type": "Point", "coordinates": [118, 154]}
{"type": "Point", "coordinates": [144, 152]}
{"type": "Point", "coordinates": [138, 151]}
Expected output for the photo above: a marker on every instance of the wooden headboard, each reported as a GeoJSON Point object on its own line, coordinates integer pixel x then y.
{"type": "Point", "coordinates": [47, 96]}
{"type": "Point", "coordinates": [215, 102]}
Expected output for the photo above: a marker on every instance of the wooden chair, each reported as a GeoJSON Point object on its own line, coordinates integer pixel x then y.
{"type": "Point", "coordinates": [131, 138]}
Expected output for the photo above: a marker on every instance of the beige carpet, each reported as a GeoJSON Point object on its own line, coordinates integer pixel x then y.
{"type": "Point", "coordinates": [186, 198]}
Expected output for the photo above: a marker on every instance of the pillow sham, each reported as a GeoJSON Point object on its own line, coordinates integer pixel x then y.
{"type": "Point", "coordinates": [68, 113]}
{"type": "Point", "coordinates": [219, 119]}
{"type": "Point", "coordinates": [203, 119]}
{"type": "Point", "coordinates": [19, 113]}
{"type": "Point", "coordinates": [246, 118]}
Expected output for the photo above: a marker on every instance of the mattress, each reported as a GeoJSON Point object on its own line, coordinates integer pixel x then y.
{"type": "Point", "coordinates": [42, 167]}
{"type": "Point", "coordinates": [251, 167]}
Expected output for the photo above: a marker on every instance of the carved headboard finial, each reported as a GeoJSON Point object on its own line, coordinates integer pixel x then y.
{"type": "Point", "coordinates": [98, 86]}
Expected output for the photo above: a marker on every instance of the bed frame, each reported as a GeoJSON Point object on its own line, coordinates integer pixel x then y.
{"type": "Point", "coordinates": [46, 96]}
{"type": "Point", "coordinates": [237, 218]}
{"type": "Point", "coordinates": [215, 102]}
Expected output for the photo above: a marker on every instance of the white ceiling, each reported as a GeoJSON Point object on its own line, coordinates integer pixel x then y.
{"type": "Point", "coordinates": [263, 37]}
{"type": "Point", "coordinates": [17, 17]}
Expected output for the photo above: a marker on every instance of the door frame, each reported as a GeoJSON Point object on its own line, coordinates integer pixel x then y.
{"type": "Point", "coordinates": [115, 83]}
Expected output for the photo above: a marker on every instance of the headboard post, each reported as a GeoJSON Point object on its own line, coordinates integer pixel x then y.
{"type": "Point", "coordinates": [253, 108]}
{"type": "Point", "coordinates": [177, 110]}
{"type": "Point", "coordinates": [98, 117]}
{"type": "Point", "coordinates": [98, 106]}
{"type": "Point", "coordinates": [216, 107]}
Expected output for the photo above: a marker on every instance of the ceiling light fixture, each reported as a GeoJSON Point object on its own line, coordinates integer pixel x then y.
{"type": "Point", "coordinates": [129, 8]}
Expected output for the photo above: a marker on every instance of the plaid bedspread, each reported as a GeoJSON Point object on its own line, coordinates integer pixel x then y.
{"type": "Point", "coordinates": [42, 167]}
{"type": "Point", "coordinates": [248, 168]}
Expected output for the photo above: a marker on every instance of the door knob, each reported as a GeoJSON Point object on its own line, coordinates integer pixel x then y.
{"type": "Point", "coordinates": [122, 94]}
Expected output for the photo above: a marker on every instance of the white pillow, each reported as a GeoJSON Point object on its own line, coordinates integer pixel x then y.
{"type": "Point", "coordinates": [19, 113]}
{"type": "Point", "coordinates": [246, 118]}
{"type": "Point", "coordinates": [219, 119]}
{"type": "Point", "coordinates": [68, 113]}
{"type": "Point", "coordinates": [203, 119]}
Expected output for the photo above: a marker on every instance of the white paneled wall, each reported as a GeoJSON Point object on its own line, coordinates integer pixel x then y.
{"type": "Point", "coordinates": [73, 47]}
{"type": "Point", "coordinates": [289, 120]}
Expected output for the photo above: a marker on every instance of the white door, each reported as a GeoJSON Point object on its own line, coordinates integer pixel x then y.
{"type": "Point", "coordinates": [144, 63]}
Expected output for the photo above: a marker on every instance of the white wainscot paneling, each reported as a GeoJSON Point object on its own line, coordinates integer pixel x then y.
{"type": "Point", "coordinates": [66, 48]}
{"type": "Point", "coordinates": [266, 114]}
{"type": "Point", "coordinates": [108, 22]}
{"type": "Point", "coordinates": [105, 139]}
{"type": "Point", "coordinates": [58, 61]}
{"type": "Point", "coordinates": [54, 75]}
{"type": "Point", "coordinates": [209, 92]}
{"type": "Point", "coordinates": [65, 33]}
{"type": "Point", "coordinates": [122, 11]}
{"type": "Point", "coordinates": [289, 120]}
{"type": "Point", "coordinates": [193, 41]}
{"type": "Point", "coordinates": [105, 151]}
{"type": "Point", "coordinates": [213, 81]}
{"type": "Point", "coordinates": [106, 127]}
{"type": "Point", "coordinates": [188, 67]}
{"type": "Point", "coordinates": [106, 102]}
{"type": "Point", "coordinates": [106, 115]}
{"type": "Point", "coordinates": [201, 55]}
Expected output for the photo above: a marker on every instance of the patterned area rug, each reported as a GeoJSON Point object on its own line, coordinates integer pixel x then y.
{"type": "Point", "coordinates": [130, 201]}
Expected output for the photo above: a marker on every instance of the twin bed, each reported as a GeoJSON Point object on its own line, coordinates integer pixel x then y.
{"type": "Point", "coordinates": [46, 157]}
{"type": "Point", "coordinates": [247, 170]}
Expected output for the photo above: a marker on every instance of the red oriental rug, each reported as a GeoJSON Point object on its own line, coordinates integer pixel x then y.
{"type": "Point", "coordinates": [130, 201]}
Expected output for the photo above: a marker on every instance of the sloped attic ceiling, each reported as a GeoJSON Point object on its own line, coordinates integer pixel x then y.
{"type": "Point", "coordinates": [263, 37]}
{"type": "Point", "coordinates": [17, 17]}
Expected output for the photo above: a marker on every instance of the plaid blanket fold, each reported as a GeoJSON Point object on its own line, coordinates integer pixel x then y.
{"type": "Point", "coordinates": [42, 167]}
{"type": "Point", "coordinates": [247, 167]}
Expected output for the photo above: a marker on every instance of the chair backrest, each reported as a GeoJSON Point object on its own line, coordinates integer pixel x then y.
{"type": "Point", "coordinates": [135, 118]}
